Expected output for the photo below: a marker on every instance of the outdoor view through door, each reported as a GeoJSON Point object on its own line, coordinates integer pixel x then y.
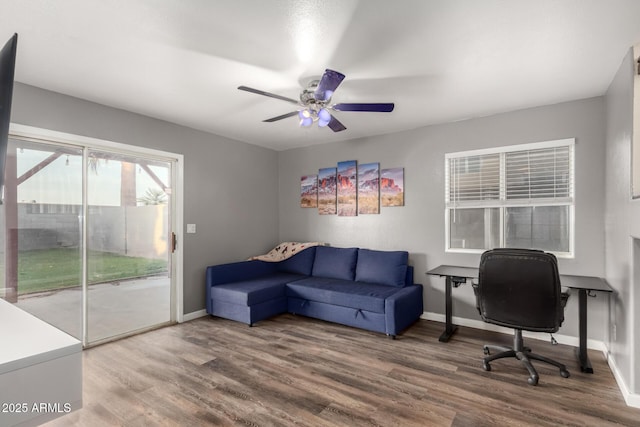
{"type": "Point", "coordinates": [107, 277]}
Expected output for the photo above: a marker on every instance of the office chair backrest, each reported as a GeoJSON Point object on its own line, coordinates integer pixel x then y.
{"type": "Point", "coordinates": [520, 288]}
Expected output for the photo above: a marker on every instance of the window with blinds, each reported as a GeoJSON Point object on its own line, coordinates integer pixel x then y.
{"type": "Point", "coordinates": [517, 196]}
{"type": "Point", "coordinates": [539, 174]}
{"type": "Point", "coordinates": [474, 179]}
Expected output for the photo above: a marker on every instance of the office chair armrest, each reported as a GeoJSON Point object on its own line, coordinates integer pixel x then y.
{"type": "Point", "coordinates": [474, 285]}
{"type": "Point", "coordinates": [564, 297]}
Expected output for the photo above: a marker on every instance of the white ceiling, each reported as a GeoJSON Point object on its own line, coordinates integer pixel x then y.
{"type": "Point", "coordinates": [438, 60]}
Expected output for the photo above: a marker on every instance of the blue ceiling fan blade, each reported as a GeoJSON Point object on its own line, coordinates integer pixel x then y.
{"type": "Point", "coordinates": [328, 84]}
{"type": "Point", "coordinates": [373, 107]}
{"type": "Point", "coordinates": [335, 125]}
{"type": "Point", "coordinates": [284, 116]}
{"type": "Point", "coordinates": [271, 95]}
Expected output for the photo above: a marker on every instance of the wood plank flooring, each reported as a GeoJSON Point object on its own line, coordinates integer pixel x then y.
{"type": "Point", "coordinates": [292, 370]}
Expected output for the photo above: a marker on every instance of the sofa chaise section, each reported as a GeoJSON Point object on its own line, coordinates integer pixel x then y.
{"type": "Point", "coordinates": [250, 291]}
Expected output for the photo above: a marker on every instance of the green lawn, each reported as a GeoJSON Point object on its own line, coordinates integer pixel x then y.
{"type": "Point", "coordinates": [41, 270]}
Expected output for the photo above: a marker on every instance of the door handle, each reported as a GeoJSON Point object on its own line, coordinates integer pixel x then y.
{"type": "Point", "coordinates": [174, 242]}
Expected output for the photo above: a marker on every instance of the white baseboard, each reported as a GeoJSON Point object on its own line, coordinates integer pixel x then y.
{"type": "Point", "coordinates": [194, 315]}
{"type": "Point", "coordinates": [631, 399]}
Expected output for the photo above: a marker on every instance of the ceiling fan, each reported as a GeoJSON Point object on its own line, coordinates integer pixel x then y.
{"type": "Point", "coordinates": [315, 101]}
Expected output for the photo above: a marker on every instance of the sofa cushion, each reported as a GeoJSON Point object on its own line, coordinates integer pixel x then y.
{"type": "Point", "coordinates": [335, 263]}
{"type": "Point", "coordinates": [382, 267]}
{"type": "Point", "coordinates": [300, 263]}
{"type": "Point", "coordinates": [254, 291]}
{"type": "Point", "coordinates": [346, 293]}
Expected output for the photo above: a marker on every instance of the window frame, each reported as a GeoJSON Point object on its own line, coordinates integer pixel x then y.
{"type": "Point", "coordinates": [502, 203]}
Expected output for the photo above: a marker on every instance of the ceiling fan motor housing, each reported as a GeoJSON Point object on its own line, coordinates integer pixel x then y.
{"type": "Point", "coordinates": [308, 96]}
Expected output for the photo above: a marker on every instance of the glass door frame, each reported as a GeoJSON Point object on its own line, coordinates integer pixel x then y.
{"type": "Point", "coordinates": [177, 206]}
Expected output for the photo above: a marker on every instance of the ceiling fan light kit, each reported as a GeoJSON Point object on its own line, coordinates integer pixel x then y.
{"type": "Point", "coordinates": [315, 102]}
{"type": "Point", "coordinates": [308, 116]}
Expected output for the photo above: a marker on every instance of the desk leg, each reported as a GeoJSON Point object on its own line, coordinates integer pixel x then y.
{"type": "Point", "coordinates": [450, 328]}
{"type": "Point", "coordinates": [581, 351]}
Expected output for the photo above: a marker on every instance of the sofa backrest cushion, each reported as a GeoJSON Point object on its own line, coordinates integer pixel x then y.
{"type": "Point", "coordinates": [408, 280]}
{"type": "Point", "coordinates": [382, 267]}
{"type": "Point", "coordinates": [300, 263]}
{"type": "Point", "coordinates": [335, 263]}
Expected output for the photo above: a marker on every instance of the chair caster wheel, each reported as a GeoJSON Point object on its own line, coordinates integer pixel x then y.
{"type": "Point", "coordinates": [486, 366]}
{"type": "Point", "coordinates": [486, 350]}
{"type": "Point", "coordinates": [533, 380]}
{"type": "Point", "coordinates": [564, 373]}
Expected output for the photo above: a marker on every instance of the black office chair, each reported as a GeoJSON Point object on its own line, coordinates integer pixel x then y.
{"type": "Point", "coordinates": [520, 289]}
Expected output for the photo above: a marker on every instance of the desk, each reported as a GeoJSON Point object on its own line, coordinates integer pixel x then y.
{"type": "Point", "coordinates": [585, 285]}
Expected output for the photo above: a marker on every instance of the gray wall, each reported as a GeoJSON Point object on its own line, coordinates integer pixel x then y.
{"type": "Point", "coordinates": [419, 226]}
{"type": "Point", "coordinates": [622, 224]}
{"type": "Point", "coordinates": [229, 186]}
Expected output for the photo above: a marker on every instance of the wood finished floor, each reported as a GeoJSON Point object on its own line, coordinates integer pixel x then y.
{"type": "Point", "coordinates": [299, 371]}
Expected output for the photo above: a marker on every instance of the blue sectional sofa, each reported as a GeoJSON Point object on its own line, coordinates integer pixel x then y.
{"type": "Point", "coordinates": [364, 288]}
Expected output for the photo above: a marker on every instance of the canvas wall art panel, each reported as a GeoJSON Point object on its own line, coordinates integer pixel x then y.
{"type": "Point", "coordinates": [327, 191]}
{"type": "Point", "coordinates": [347, 188]}
{"type": "Point", "coordinates": [369, 188]}
{"type": "Point", "coordinates": [392, 187]}
{"type": "Point", "coordinates": [309, 191]}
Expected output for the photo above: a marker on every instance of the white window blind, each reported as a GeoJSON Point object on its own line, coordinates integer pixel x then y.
{"type": "Point", "coordinates": [539, 174]}
{"type": "Point", "coordinates": [511, 175]}
{"type": "Point", "coordinates": [473, 179]}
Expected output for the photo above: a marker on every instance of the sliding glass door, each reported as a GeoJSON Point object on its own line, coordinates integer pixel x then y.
{"type": "Point", "coordinates": [87, 245]}
{"type": "Point", "coordinates": [43, 235]}
{"type": "Point", "coordinates": [128, 242]}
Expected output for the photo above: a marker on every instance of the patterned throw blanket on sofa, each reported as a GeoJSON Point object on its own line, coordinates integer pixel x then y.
{"type": "Point", "coordinates": [284, 250]}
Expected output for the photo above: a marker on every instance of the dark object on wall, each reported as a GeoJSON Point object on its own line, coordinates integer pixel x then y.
{"type": "Point", "coordinates": [7, 71]}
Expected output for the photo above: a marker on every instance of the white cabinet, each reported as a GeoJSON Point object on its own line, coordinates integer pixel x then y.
{"type": "Point", "coordinates": [40, 369]}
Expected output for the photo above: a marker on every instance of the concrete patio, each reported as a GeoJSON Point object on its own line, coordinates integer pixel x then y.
{"type": "Point", "coordinates": [113, 308]}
